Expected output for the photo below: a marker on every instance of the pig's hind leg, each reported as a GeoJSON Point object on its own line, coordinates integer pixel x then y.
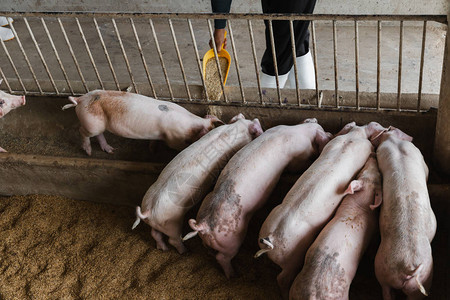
{"type": "Point", "coordinates": [225, 262]}
{"type": "Point", "coordinates": [104, 144]}
{"type": "Point", "coordinates": [178, 244]}
{"type": "Point", "coordinates": [85, 140]}
{"type": "Point", "coordinates": [159, 238]}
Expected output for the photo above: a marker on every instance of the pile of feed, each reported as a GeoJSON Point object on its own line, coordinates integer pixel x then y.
{"type": "Point", "coordinates": [53, 248]}
{"type": "Point", "coordinates": [212, 78]}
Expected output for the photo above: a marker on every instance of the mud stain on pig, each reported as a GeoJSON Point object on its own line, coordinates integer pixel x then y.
{"type": "Point", "coordinates": [322, 276]}
{"type": "Point", "coordinates": [163, 107]}
{"type": "Point", "coordinates": [223, 209]}
{"type": "Point", "coordinates": [103, 105]}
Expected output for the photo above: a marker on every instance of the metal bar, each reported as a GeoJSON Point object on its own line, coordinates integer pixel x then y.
{"type": "Point", "coordinates": [378, 63]}
{"type": "Point", "coordinates": [314, 47]}
{"type": "Point", "coordinates": [161, 58]}
{"type": "Point", "coordinates": [275, 64]}
{"type": "Point", "coordinates": [73, 54]}
{"type": "Point", "coordinates": [25, 56]}
{"type": "Point", "coordinates": [13, 66]}
{"type": "Point", "coordinates": [357, 65]}
{"type": "Point", "coordinates": [41, 56]}
{"type": "Point", "coordinates": [180, 61]}
{"type": "Point", "coordinates": [57, 55]}
{"type": "Point", "coordinates": [294, 56]}
{"type": "Point", "coordinates": [216, 58]}
{"type": "Point", "coordinates": [236, 62]}
{"type": "Point", "coordinates": [242, 16]}
{"type": "Point", "coordinates": [125, 56]}
{"type": "Point", "coordinates": [255, 60]}
{"type": "Point", "coordinates": [335, 64]}
{"type": "Point", "coordinates": [197, 56]}
{"type": "Point", "coordinates": [5, 80]}
{"type": "Point", "coordinates": [422, 58]}
{"type": "Point", "coordinates": [400, 62]}
{"type": "Point", "coordinates": [144, 63]}
{"type": "Point", "coordinates": [89, 53]}
{"type": "Point", "coordinates": [106, 54]}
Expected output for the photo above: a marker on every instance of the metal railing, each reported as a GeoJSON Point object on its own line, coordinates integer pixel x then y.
{"type": "Point", "coordinates": [80, 52]}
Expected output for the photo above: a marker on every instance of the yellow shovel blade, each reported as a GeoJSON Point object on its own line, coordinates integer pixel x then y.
{"type": "Point", "coordinates": [210, 55]}
{"type": "Point", "coordinates": [211, 74]}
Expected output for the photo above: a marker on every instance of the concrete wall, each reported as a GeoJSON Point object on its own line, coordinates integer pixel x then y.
{"type": "Point", "coordinates": [238, 6]}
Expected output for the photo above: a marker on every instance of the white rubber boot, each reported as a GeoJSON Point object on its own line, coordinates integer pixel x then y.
{"type": "Point", "coordinates": [269, 81]}
{"type": "Point", "coordinates": [6, 34]}
{"type": "Point", "coordinates": [306, 73]}
{"type": "Point", "coordinates": [4, 21]}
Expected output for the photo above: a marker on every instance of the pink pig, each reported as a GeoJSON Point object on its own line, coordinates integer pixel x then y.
{"type": "Point", "coordinates": [407, 223]}
{"type": "Point", "coordinates": [137, 117]}
{"type": "Point", "coordinates": [332, 260]}
{"type": "Point", "coordinates": [7, 103]}
{"type": "Point", "coordinates": [292, 226]}
{"type": "Point", "coordinates": [189, 176]}
{"type": "Point", "coordinates": [247, 181]}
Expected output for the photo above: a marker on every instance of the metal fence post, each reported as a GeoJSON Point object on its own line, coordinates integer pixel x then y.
{"type": "Point", "coordinates": [441, 153]}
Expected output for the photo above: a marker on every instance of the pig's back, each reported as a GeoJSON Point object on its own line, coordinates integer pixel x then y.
{"type": "Point", "coordinates": [196, 166]}
{"type": "Point", "coordinates": [405, 192]}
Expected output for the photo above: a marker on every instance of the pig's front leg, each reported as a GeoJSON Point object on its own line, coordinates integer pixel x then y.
{"type": "Point", "coordinates": [104, 144]}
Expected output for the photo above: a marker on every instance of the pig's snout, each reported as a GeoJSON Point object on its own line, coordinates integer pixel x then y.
{"type": "Point", "coordinates": [214, 120]}
{"type": "Point", "coordinates": [23, 100]}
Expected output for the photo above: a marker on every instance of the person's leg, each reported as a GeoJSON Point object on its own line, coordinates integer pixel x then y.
{"type": "Point", "coordinates": [282, 38]}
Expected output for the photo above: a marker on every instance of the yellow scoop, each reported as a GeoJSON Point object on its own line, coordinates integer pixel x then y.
{"type": "Point", "coordinates": [222, 53]}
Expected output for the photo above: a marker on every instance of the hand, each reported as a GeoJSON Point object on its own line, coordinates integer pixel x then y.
{"type": "Point", "coordinates": [219, 39]}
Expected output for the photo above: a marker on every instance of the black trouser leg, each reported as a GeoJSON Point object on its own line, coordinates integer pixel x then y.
{"type": "Point", "coordinates": [282, 34]}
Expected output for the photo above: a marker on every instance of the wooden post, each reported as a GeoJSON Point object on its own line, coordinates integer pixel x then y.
{"type": "Point", "coordinates": [442, 139]}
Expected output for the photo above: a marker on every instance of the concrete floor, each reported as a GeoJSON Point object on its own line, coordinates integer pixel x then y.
{"type": "Point", "coordinates": [345, 53]}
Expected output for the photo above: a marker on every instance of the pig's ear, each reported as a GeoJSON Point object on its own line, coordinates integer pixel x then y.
{"type": "Point", "coordinates": [310, 120]}
{"type": "Point", "coordinates": [255, 128]}
{"type": "Point", "coordinates": [400, 134]}
{"type": "Point", "coordinates": [346, 128]}
{"type": "Point", "coordinates": [1, 80]}
{"type": "Point", "coordinates": [237, 117]}
{"type": "Point", "coordinates": [374, 131]}
{"type": "Point", "coordinates": [353, 187]}
{"type": "Point", "coordinates": [321, 139]}
{"type": "Point", "coordinates": [378, 199]}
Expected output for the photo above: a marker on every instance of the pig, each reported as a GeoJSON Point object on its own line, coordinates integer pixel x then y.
{"type": "Point", "coordinates": [7, 103]}
{"type": "Point", "coordinates": [188, 177]}
{"type": "Point", "coordinates": [407, 223]}
{"type": "Point", "coordinates": [332, 260]}
{"type": "Point", "coordinates": [291, 227]}
{"type": "Point", "coordinates": [247, 181]}
{"type": "Point", "coordinates": [138, 117]}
